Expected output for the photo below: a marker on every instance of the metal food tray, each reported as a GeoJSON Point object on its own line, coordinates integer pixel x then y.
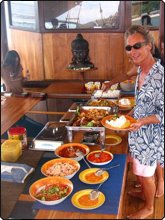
{"type": "Point", "coordinates": [109, 109]}
{"type": "Point", "coordinates": [114, 109]}
{"type": "Point", "coordinates": [100, 129]}
{"type": "Point", "coordinates": [73, 107]}
{"type": "Point", "coordinates": [106, 97]}
{"type": "Point", "coordinates": [50, 137]}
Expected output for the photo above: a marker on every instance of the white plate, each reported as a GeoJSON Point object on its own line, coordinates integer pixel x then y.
{"type": "Point", "coordinates": [104, 162]}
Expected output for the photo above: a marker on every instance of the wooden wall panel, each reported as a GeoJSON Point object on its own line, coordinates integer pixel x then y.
{"type": "Point", "coordinates": [48, 55]}
{"type": "Point", "coordinates": [29, 47]}
{"type": "Point", "coordinates": [57, 55]}
{"type": "Point", "coordinates": [106, 51]}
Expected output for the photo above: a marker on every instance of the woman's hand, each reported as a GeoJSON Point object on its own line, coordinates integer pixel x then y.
{"type": "Point", "coordinates": [105, 86]}
{"type": "Point", "coordinates": [152, 119]}
{"type": "Point", "coordinates": [130, 113]}
{"type": "Point", "coordinates": [136, 126]}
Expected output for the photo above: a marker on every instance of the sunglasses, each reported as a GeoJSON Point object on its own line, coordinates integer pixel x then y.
{"type": "Point", "coordinates": [135, 46]}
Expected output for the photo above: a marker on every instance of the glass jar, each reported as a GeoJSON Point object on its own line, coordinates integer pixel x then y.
{"type": "Point", "coordinates": [18, 133]}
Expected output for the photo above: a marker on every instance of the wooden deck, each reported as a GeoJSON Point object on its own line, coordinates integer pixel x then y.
{"type": "Point", "coordinates": [133, 204]}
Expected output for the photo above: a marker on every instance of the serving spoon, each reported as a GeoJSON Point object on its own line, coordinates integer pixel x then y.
{"type": "Point", "coordinates": [102, 149]}
{"type": "Point", "coordinates": [79, 153]}
{"type": "Point", "coordinates": [100, 171]}
{"type": "Point", "coordinates": [95, 192]}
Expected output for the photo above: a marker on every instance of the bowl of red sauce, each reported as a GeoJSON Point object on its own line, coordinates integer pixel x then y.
{"type": "Point", "coordinates": [69, 151]}
{"type": "Point", "coordinates": [99, 157]}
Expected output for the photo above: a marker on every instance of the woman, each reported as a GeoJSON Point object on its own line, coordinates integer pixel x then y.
{"type": "Point", "coordinates": [12, 73]}
{"type": "Point", "coordinates": [146, 136]}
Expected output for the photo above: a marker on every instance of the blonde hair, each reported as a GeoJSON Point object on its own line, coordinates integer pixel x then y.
{"type": "Point", "coordinates": [144, 32]}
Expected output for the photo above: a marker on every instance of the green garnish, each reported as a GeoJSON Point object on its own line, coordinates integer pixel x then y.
{"type": "Point", "coordinates": [115, 116]}
{"type": "Point", "coordinates": [78, 110]}
{"type": "Point", "coordinates": [90, 124]}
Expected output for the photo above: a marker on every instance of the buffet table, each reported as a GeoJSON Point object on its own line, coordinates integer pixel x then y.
{"type": "Point", "coordinates": [23, 206]}
{"type": "Point", "coordinates": [26, 207]}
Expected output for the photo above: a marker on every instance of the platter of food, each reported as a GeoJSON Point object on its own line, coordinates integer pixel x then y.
{"type": "Point", "coordinates": [112, 140]}
{"type": "Point", "coordinates": [118, 122]}
{"type": "Point", "coordinates": [102, 102]}
{"type": "Point", "coordinates": [92, 86]}
{"type": "Point", "coordinates": [81, 200]}
{"type": "Point", "coordinates": [99, 157]}
{"type": "Point", "coordinates": [110, 94]}
{"type": "Point", "coordinates": [126, 103]}
{"type": "Point", "coordinates": [89, 116]}
{"type": "Point", "coordinates": [88, 176]}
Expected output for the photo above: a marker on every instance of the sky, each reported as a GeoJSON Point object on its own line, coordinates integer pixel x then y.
{"type": "Point", "coordinates": [90, 11]}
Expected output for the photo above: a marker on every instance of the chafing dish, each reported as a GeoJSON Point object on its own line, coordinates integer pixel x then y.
{"type": "Point", "coordinates": [50, 137]}
{"type": "Point", "coordinates": [91, 138]}
{"type": "Point", "coordinates": [104, 103]}
{"type": "Point", "coordinates": [71, 127]}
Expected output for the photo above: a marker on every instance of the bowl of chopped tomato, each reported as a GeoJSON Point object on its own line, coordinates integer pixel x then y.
{"type": "Point", "coordinates": [51, 190]}
{"type": "Point", "coordinates": [99, 157]}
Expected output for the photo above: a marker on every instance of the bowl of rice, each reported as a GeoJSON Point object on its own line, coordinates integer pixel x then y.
{"type": "Point", "coordinates": [63, 167]}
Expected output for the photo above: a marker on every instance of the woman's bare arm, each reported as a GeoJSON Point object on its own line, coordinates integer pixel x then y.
{"type": "Point", "coordinates": [120, 78]}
